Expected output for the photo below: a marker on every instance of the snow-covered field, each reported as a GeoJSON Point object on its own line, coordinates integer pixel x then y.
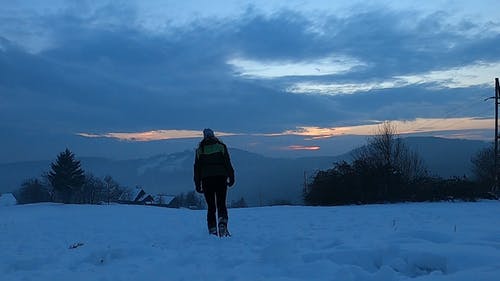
{"type": "Point", "coordinates": [425, 241]}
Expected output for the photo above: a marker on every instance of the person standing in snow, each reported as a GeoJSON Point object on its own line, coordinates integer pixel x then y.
{"type": "Point", "coordinates": [213, 173]}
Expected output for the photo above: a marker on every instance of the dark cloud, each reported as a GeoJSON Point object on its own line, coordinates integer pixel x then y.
{"type": "Point", "coordinates": [284, 35]}
{"type": "Point", "coordinates": [398, 43]}
{"type": "Point", "coordinates": [104, 73]}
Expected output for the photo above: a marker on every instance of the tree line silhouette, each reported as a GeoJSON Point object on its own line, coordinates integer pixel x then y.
{"type": "Point", "coordinates": [387, 170]}
{"type": "Point", "coordinates": [67, 182]}
{"type": "Point", "coordinates": [384, 170]}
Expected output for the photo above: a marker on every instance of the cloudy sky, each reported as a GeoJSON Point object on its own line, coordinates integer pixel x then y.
{"type": "Point", "coordinates": [128, 79]}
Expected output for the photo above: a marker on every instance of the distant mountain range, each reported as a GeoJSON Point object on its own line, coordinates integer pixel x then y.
{"type": "Point", "coordinates": [259, 179]}
{"type": "Point", "coordinates": [447, 157]}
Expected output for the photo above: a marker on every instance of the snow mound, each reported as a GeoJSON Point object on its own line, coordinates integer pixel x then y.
{"type": "Point", "coordinates": [7, 199]}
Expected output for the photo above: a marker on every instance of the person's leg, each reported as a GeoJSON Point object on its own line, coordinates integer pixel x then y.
{"type": "Point", "coordinates": [221, 195]}
{"type": "Point", "coordinates": [209, 193]}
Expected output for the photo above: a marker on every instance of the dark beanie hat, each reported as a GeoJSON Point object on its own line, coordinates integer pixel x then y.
{"type": "Point", "coordinates": [208, 133]}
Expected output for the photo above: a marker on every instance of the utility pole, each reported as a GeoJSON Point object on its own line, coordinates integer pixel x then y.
{"type": "Point", "coordinates": [497, 94]}
{"type": "Point", "coordinates": [495, 188]}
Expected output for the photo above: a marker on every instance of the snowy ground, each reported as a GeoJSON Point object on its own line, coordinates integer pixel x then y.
{"type": "Point", "coordinates": [426, 241]}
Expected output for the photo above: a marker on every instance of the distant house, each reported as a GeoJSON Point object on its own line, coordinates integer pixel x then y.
{"type": "Point", "coordinates": [138, 196]}
{"type": "Point", "coordinates": [7, 199]}
{"type": "Point", "coordinates": [164, 200]}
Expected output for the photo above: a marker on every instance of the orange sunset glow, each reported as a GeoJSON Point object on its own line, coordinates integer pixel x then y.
{"type": "Point", "coordinates": [301, 147]}
{"type": "Point", "coordinates": [419, 125]}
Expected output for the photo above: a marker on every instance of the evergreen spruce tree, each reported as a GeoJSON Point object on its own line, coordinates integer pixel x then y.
{"type": "Point", "coordinates": [66, 176]}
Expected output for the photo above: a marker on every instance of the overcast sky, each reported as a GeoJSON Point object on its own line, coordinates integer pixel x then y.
{"type": "Point", "coordinates": [130, 78]}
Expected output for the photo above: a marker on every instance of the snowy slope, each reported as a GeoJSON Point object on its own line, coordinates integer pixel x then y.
{"type": "Point", "coordinates": [425, 241]}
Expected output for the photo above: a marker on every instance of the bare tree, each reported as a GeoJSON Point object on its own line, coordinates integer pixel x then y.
{"type": "Point", "coordinates": [387, 149]}
{"type": "Point", "coordinates": [483, 166]}
{"type": "Point", "coordinates": [113, 189]}
{"type": "Point", "coordinates": [91, 192]}
{"type": "Point", "coordinates": [33, 191]}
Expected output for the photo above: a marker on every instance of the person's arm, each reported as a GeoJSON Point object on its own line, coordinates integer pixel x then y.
{"type": "Point", "coordinates": [229, 166]}
{"type": "Point", "coordinates": [197, 173]}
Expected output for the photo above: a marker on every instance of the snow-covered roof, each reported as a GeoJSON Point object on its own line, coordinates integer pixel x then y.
{"type": "Point", "coordinates": [164, 199]}
{"type": "Point", "coordinates": [138, 195]}
{"type": "Point", "coordinates": [7, 199]}
{"type": "Point", "coordinates": [135, 194]}
{"type": "Point", "coordinates": [130, 196]}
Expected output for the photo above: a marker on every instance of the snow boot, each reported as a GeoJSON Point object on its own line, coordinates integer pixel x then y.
{"type": "Point", "coordinates": [213, 231]}
{"type": "Point", "coordinates": [223, 232]}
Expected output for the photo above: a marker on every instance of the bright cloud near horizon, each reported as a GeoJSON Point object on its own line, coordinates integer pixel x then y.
{"type": "Point", "coordinates": [152, 135]}
{"type": "Point", "coordinates": [266, 74]}
{"type": "Point", "coordinates": [311, 133]}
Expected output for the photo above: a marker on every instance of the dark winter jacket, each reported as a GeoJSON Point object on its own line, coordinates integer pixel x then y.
{"type": "Point", "coordinates": [212, 159]}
